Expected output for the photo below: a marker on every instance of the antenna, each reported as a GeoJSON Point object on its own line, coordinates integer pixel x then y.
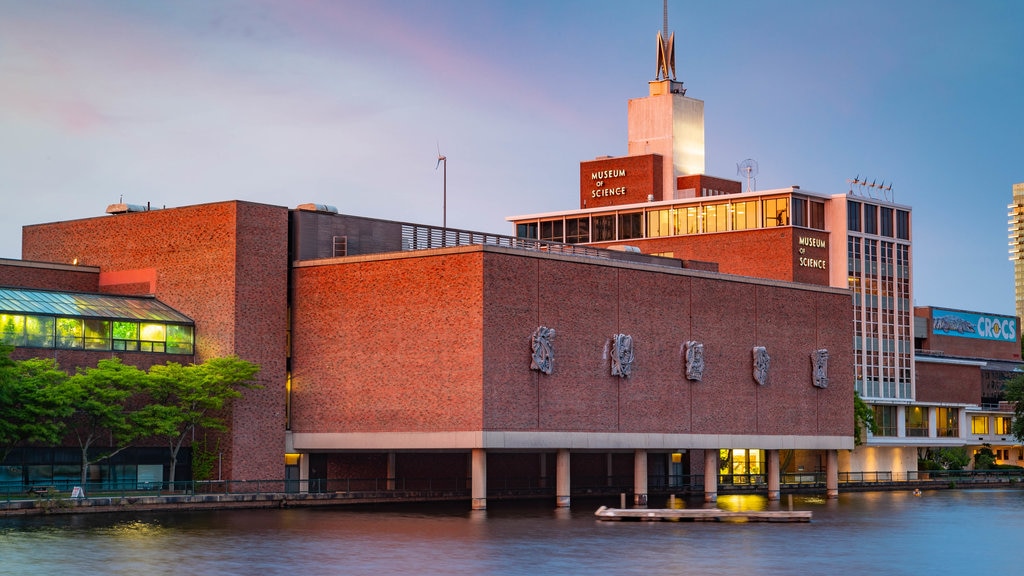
{"type": "Point", "coordinates": [441, 158]}
{"type": "Point", "coordinates": [748, 169]}
{"type": "Point", "coordinates": [666, 50]}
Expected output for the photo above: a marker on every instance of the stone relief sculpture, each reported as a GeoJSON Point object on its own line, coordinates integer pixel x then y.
{"type": "Point", "coordinates": [543, 349]}
{"type": "Point", "coordinates": [694, 360]}
{"type": "Point", "coordinates": [761, 363]}
{"type": "Point", "coordinates": [622, 355]}
{"type": "Point", "coordinates": [819, 360]}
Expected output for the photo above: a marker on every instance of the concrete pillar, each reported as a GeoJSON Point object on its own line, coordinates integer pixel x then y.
{"type": "Point", "coordinates": [479, 479]}
{"type": "Point", "coordinates": [710, 475]}
{"type": "Point", "coordinates": [640, 479]}
{"type": "Point", "coordinates": [391, 471]}
{"type": "Point", "coordinates": [774, 475]}
{"type": "Point", "coordinates": [562, 478]}
{"type": "Point", "coordinates": [304, 473]}
{"type": "Point", "coordinates": [832, 474]}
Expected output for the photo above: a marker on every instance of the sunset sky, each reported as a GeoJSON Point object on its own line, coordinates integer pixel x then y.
{"type": "Point", "coordinates": [347, 102]}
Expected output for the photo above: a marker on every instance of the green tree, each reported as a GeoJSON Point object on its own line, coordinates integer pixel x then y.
{"type": "Point", "coordinates": [33, 402]}
{"type": "Point", "coordinates": [863, 419]}
{"type": "Point", "coordinates": [985, 458]}
{"type": "Point", "coordinates": [1014, 392]}
{"type": "Point", "coordinates": [951, 458]}
{"type": "Point", "coordinates": [185, 398]}
{"type": "Point", "coordinates": [102, 398]}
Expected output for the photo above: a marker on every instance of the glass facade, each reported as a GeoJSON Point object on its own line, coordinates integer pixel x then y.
{"type": "Point", "coordinates": [42, 319]}
{"type": "Point", "coordinates": [1016, 230]}
{"type": "Point", "coordinates": [879, 276]}
{"type": "Point", "coordinates": [681, 219]}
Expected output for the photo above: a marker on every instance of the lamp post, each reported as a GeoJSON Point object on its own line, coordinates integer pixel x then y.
{"type": "Point", "coordinates": [442, 159]}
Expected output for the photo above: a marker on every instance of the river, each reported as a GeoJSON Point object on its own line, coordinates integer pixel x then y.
{"type": "Point", "coordinates": [891, 533]}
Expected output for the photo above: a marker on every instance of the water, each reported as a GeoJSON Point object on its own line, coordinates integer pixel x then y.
{"type": "Point", "coordinates": [943, 532]}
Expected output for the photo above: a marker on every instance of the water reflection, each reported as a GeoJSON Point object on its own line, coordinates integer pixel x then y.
{"type": "Point", "coordinates": [872, 532]}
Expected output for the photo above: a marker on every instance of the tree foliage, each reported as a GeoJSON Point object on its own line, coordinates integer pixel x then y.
{"type": "Point", "coordinates": [33, 402]}
{"type": "Point", "coordinates": [1014, 393]}
{"type": "Point", "coordinates": [863, 419]}
{"type": "Point", "coordinates": [102, 399]}
{"type": "Point", "coordinates": [189, 397]}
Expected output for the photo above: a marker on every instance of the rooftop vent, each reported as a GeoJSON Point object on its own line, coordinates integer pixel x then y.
{"type": "Point", "coordinates": [125, 208]}
{"type": "Point", "coordinates": [317, 208]}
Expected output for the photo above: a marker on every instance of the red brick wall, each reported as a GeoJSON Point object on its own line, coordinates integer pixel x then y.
{"type": "Point", "coordinates": [388, 345]}
{"type": "Point", "coordinates": [700, 182]}
{"type": "Point", "coordinates": [441, 343]}
{"type": "Point", "coordinates": [643, 178]}
{"type": "Point", "coordinates": [47, 276]}
{"type": "Point", "coordinates": [937, 382]}
{"type": "Point", "coordinates": [225, 265]}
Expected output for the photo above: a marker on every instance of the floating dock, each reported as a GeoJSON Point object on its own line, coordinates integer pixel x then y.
{"type": "Point", "coordinates": [701, 515]}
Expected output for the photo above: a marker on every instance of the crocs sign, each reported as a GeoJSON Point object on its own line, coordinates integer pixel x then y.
{"type": "Point", "coordinates": [970, 325]}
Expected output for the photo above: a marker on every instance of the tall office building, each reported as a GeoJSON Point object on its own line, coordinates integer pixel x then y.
{"type": "Point", "coordinates": [1016, 214]}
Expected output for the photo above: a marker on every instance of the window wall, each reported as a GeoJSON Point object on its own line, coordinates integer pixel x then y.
{"type": "Point", "coordinates": [917, 422]}
{"type": "Point", "coordinates": [947, 422]}
{"type": "Point", "coordinates": [72, 333]}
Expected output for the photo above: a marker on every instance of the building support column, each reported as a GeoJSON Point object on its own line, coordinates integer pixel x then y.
{"type": "Point", "coordinates": [562, 478]}
{"type": "Point", "coordinates": [640, 479]}
{"type": "Point", "coordinates": [710, 475]}
{"type": "Point", "coordinates": [479, 479]}
{"type": "Point", "coordinates": [774, 475]}
{"type": "Point", "coordinates": [391, 471]}
{"type": "Point", "coordinates": [832, 474]}
{"type": "Point", "coordinates": [304, 473]}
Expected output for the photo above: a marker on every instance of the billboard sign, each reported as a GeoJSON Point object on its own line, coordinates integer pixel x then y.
{"type": "Point", "coordinates": [971, 325]}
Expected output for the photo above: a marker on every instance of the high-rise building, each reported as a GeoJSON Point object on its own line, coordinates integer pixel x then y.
{"type": "Point", "coordinates": [1016, 223]}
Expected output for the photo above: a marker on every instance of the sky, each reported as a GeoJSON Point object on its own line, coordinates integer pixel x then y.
{"type": "Point", "coordinates": [349, 102]}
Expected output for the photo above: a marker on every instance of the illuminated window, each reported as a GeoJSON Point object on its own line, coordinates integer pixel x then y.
{"type": "Point", "coordinates": [947, 422]}
{"type": "Point", "coordinates": [12, 329]}
{"type": "Point", "coordinates": [659, 223]}
{"type": "Point", "coordinates": [716, 218]}
{"type": "Point", "coordinates": [917, 421]}
{"type": "Point", "coordinates": [153, 337]}
{"type": "Point", "coordinates": [1003, 424]}
{"type": "Point", "coordinates": [744, 215]}
{"type": "Point", "coordinates": [776, 212]}
{"type": "Point", "coordinates": [69, 333]}
{"type": "Point", "coordinates": [687, 220]}
{"type": "Point", "coordinates": [97, 334]}
{"type": "Point", "coordinates": [979, 424]}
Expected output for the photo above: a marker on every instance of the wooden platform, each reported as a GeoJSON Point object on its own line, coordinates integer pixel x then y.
{"type": "Point", "coordinates": [701, 515]}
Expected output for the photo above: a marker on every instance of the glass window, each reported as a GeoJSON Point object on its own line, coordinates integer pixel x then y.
{"type": "Point", "coordinates": [776, 212]}
{"type": "Point", "coordinates": [979, 424]}
{"type": "Point", "coordinates": [69, 333]}
{"type": "Point", "coordinates": [154, 337]}
{"type": "Point", "coordinates": [604, 228]}
{"type": "Point", "coordinates": [853, 215]}
{"type": "Point", "coordinates": [12, 329]}
{"type": "Point", "coordinates": [870, 219]}
{"type": "Point", "coordinates": [551, 230]}
{"type": "Point", "coordinates": [744, 215]}
{"type": "Point", "coordinates": [886, 221]}
{"type": "Point", "coordinates": [577, 230]}
{"type": "Point", "coordinates": [39, 331]}
{"type": "Point", "coordinates": [716, 218]}
{"type": "Point", "coordinates": [903, 225]}
{"type": "Point", "coordinates": [799, 212]}
{"type": "Point", "coordinates": [947, 423]}
{"type": "Point", "coordinates": [126, 336]}
{"type": "Point", "coordinates": [659, 223]}
{"type": "Point", "coordinates": [97, 334]}
{"type": "Point", "coordinates": [687, 220]}
{"type": "Point", "coordinates": [179, 339]}
{"type": "Point", "coordinates": [630, 225]}
{"type": "Point", "coordinates": [817, 214]}
{"type": "Point", "coordinates": [1003, 425]}
{"type": "Point", "coordinates": [527, 230]}
{"type": "Point", "coordinates": [885, 419]}
{"type": "Point", "coordinates": [917, 421]}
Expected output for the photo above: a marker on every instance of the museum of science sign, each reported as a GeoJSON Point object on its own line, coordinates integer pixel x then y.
{"type": "Point", "coordinates": [971, 325]}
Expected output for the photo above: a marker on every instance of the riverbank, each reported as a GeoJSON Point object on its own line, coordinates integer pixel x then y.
{"type": "Point", "coordinates": [61, 503]}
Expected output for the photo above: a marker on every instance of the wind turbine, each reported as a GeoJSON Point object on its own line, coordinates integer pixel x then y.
{"type": "Point", "coordinates": [441, 158]}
